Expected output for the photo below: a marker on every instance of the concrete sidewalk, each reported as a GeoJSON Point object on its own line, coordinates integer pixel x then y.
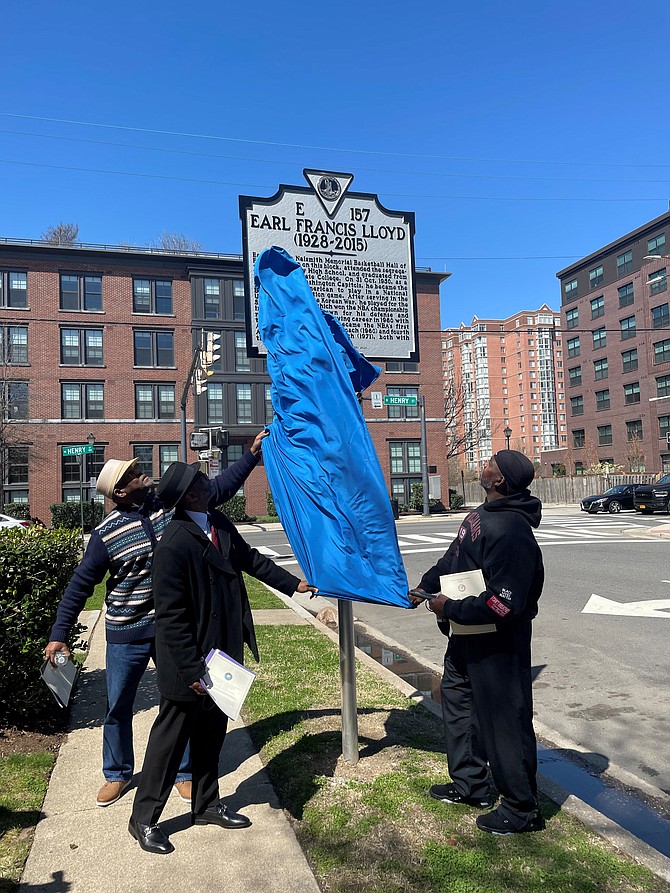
{"type": "Point", "coordinates": [82, 848]}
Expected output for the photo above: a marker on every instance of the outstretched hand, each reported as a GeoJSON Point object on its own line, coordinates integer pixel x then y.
{"type": "Point", "coordinates": [304, 586]}
{"type": "Point", "coordinates": [257, 445]}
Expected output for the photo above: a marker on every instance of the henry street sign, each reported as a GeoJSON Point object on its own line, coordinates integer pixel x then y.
{"type": "Point", "coordinates": [399, 401]}
{"type": "Point", "coordinates": [84, 450]}
{"type": "Point", "coordinates": [357, 255]}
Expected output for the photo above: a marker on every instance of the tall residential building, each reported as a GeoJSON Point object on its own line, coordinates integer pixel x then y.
{"type": "Point", "coordinates": [96, 344]}
{"type": "Point", "coordinates": [616, 317]}
{"type": "Point", "coordinates": [503, 383]}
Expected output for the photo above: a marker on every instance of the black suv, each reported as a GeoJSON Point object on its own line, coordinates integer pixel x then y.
{"type": "Point", "coordinates": [650, 498]}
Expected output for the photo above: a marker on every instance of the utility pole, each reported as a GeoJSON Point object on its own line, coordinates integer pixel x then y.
{"type": "Point", "coordinates": [424, 456]}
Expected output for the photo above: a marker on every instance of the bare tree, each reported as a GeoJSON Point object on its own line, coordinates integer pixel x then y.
{"type": "Point", "coordinates": [176, 242]}
{"type": "Point", "coordinates": [457, 435]}
{"type": "Point", "coordinates": [62, 234]}
{"type": "Point", "coordinates": [635, 454]}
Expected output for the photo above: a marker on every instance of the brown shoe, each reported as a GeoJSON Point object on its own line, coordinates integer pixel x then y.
{"type": "Point", "coordinates": [111, 791]}
{"type": "Point", "coordinates": [183, 788]}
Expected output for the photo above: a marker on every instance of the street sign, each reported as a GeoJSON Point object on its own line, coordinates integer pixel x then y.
{"type": "Point", "coordinates": [84, 449]}
{"type": "Point", "coordinates": [376, 399]}
{"type": "Point", "coordinates": [393, 400]}
{"type": "Point", "coordinates": [357, 256]}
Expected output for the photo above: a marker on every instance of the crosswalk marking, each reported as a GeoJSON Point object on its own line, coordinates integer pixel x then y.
{"type": "Point", "coordinates": [265, 550]}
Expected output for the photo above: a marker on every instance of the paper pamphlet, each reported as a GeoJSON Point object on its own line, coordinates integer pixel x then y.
{"type": "Point", "coordinates": [59, 680]}
{"type": "Point", "coordinates": [458, 586]}
{"type": "Point", "coordinates": [227, 682]}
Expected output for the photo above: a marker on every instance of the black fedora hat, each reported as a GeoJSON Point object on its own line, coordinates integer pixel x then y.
{"type": "Point", "coordinates": [175, 482]}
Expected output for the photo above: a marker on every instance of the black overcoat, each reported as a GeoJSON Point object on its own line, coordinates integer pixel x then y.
{"type": "Point", "coordinates": [201, 601]}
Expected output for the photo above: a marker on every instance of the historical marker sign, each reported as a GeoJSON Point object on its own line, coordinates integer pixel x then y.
{"type": "Point", "coordinates": [358, 258]}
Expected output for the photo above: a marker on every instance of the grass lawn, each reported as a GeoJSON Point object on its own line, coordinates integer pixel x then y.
{"type": "Point", "coordinates": [260, 597]}
{"type": "Point", "coordinates": [373, 828]}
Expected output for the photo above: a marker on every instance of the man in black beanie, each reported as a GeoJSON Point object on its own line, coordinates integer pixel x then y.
{"type": "Point", "coordinates": [486, 691]}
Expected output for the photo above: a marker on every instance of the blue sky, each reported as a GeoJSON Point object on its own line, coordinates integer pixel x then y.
{"type": "Point", "coordinates": [522, 135]}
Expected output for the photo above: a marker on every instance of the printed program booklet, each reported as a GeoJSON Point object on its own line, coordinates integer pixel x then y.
{"type": "Point", "coordinates": [227, 682]}
{"type": "Point", "coordinates": [458, 586]}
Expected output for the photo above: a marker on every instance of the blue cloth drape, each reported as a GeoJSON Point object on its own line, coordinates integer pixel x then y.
{"type": "Point", "coordinates": [322, 467]}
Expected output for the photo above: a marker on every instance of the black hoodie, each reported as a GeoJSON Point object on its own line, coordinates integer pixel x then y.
{"type": "Point", "coordinates": [496, 538]}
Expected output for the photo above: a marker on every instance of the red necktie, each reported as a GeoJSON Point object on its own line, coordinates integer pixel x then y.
{"type": "Point", "coordinates": [215, 536]}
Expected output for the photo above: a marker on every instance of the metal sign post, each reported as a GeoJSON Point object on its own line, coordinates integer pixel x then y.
{"type": "Point", "coordinates": [80, 450]}
{"type": "Point", "coordinates": [358, 258]}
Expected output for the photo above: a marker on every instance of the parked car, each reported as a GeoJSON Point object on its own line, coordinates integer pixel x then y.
{"type": "Point", "coordinates": [650, 498]}
{"type": "Point", "coordinates": [7, 521]}
{"type": "Point", "coordinates": [612, 500]}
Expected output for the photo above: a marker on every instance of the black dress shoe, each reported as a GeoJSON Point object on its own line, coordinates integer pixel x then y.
{"type": "Point", "coordinates": [150, 838]}
{"type": "Point", "coordinates": [220, 815]}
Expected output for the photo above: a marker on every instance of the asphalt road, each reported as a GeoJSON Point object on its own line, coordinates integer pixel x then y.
{"type": "Point", "coordinates": [600, 680]}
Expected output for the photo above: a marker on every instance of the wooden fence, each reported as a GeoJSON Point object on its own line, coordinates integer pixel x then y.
{"type": "Point", "coordinates": [565, 490]}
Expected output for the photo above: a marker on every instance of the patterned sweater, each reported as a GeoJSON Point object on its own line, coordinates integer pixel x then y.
{"type": "Point", "coordinates": [123, 544]}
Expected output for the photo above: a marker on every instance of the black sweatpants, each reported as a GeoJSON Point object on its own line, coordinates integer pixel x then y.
{"type": "Point", "coordinates": [205, 725]}
{"type": "Point", "coordinates": [488, 706]}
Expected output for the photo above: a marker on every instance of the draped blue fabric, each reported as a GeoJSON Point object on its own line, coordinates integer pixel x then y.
{"type": "Point", "coordinates": [323, 470]}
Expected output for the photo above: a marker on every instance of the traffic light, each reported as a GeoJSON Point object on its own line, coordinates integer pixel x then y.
{"type": "Point", "coordinates": [212, 351]}
{"type": "Point", "coordinates": [199, 440]}
{"type": "Point", "coordinates": [220, 438]}
{"type": "Point", "coordinates": [200, 380]}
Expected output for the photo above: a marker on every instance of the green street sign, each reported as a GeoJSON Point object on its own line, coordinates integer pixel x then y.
{"type": "Point", "coordinates": [399, 401]}
{"type": "Point", "coordinates": [84, 450]}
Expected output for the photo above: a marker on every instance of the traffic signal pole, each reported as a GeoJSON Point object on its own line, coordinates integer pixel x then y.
{"type": "Point", "coordinates": [184, 398]}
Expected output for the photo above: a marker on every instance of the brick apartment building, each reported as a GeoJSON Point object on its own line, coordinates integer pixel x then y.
{"type": "Point", "coordinates": [505, 374]}
{"type": "Point", "coordinates": [97, 343]}
{"type": "Point", "coordinates": [616, 318]}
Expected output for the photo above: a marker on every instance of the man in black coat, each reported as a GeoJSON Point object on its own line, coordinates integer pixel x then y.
{"type": "Point", "coordinates": [201, 603]}
{"type": "Point", "coordinates": [486, 691]}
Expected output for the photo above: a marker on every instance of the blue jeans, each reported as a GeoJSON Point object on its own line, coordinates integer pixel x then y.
{"type": "Point", "coordinates": [125, 666]}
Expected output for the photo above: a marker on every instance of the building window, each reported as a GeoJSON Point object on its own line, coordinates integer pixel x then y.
{"type": "Point", "coordinates": [579, 469]}
{"type": "Point", "coordinates": [663, 386]}
{"type": "Point", "coordinates": [602, 400]}
{"type": "Point", "coordinates": [599, 338]}
{"type": "Point", "coordinates": [657, 282]}
{"type": "Point", "coordinates": [269, 409]}
{"type": "Point", "coordinates": [403, 412]}
{"type": "Point", "coordinates": [168, 454]}
{"type": "Point", "coordinates": [570, 290]}
{"type": "Point", "coordinates": [573, 347]}
{"type": "Point", "coordinates": [144, 453]}
{"type": "Point", "coordinates": [664, 426]}
{"type": "Point", "coordinates": [604, 435]}
{"type": "Point", "coordinates": [598, 307]}
{"type": "Point", "coordinates": [624, 264]}
{"type": "Point", "coordinates": [14, 400]}
{"type": "Point", "coordinates": [15, 469]}
{"type": "Point", "coordinates": [656, 245]}
{"type": "Point", "coordinates": [578, 438]}
{"type": "Point", "coordinates": [13, 289]}
{"type": "Point", "coordinates": [627, 328]}
{"type": "Point", "coordinates": [662, 351]}
{"type": "Point", "coordinates": [577, 405]}
{"type": "Point", "coordinates": [154, 400]}
{"type": "Point", "coordinates": [405, 464]}
{"type": "Point", "coordinates": [80, 292]}
{"type": "Point", "coordinates": [575, 375]}
{"type": "Point", "coordinates": [81, 400]}
{"type": "Point", "coordinates": [154, 348]}
{"type": "Point", "coordinates": [14, 345]}
{"type": "Point", "coordinates": [215, 403]}
{"type": "Point", "coordinates": [634, 430]}
{"type": "Point", "coordinates": [212, 291]}
{"type": "Point", "coordinates": [243, 404]}
{"type": "Point", "coordinates": [152, 296]}
{"type": "Point", "coordinates": [596, 277]}
{"type": "Point", "coordinates": [81, 468]}
{"type": "Point", "coordinates": [600, 369]}
{"type": "Point", "coordinates": [660, 316]}
{"type": "Point", "coordinates": [238, 300]}
{"type": "Point", "coordinates": [242, 363]}
{"type": "Point", "coordinates": [81, 347]}
{"type": "Point", "coordinates": [629, 358]}
{"type": "Point", "coordinates": [403, 366]}
{"type": "Point", "coordinates": [626, 295]}
{"type": "Point", "coordinates": [631, 392]}
{"type": "Point", "coordinates": [572, 318]}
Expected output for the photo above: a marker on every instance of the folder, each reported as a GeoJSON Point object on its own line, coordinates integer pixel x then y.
{"type": "Point", "coordinates": [458, 586]}
{"type": "Point", "coordinates": [227, 682]}
{"type": "Point", "coordinates": [60, 680]}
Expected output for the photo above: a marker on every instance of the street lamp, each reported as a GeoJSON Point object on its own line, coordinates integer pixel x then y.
{"type": "Point", "coordinates": [508, 433]}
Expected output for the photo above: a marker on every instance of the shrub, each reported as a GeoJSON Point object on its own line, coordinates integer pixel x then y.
{"type": "Point", "coordinates": [35, 567]}
{"type": "Point", "coordinates": [416, 499]}
{"type": "Point", "coordinates": [235, 509]}
{"type": "Point", "coordinates": [270, 508]}
{"type": "Point", "coordinates": [456, 501]}
{"type": "Point", "coordinates": [18, 510]}
{"type": "Point", "coordinates": [68, 515]}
